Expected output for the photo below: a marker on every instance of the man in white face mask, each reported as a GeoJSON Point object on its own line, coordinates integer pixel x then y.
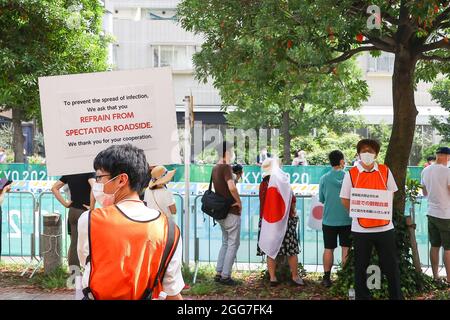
{"type": "Point", "coordinates": [368, 233]}
{"type": "Point", "coordinates": [113, 239]}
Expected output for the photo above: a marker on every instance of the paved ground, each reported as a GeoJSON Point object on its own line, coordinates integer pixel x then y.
{"type": "Point", "coordinates": [33, 294]}
{"type": "Point", "coordinates": [36, 294]}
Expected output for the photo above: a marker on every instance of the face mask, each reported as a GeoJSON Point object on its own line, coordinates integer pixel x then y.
{"type": "Point", "coordinates": [367, 158]}
{"type": "Point", "coordinates": [101, 197]}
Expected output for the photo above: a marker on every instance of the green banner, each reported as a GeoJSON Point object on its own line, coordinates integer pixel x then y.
{"type": "Point", "coordinates": [20, 171]}
{"type": "Point", "coordinates": [253, 174]}
{"type": "Point", "coordinates": [198, 173]}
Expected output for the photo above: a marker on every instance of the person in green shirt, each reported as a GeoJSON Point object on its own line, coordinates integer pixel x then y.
{"type": "Point", "coordinates": [336, 221]}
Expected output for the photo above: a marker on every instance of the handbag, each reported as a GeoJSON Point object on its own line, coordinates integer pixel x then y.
{"type": "Point", "coordinates": [215, 205]}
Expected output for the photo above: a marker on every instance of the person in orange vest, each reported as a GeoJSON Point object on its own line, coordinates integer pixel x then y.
{"type": "Point", "coordinates": [129, 251]}
{"type": "Point", "coordinates": [369, 233]}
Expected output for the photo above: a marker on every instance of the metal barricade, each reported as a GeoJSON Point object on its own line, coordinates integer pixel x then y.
{"type": "Point", "coordinates": [53, 207]}
{"type": "Point", "coordinates": [49, 204]}
{"type": "Point", "coordinates": [22, 225]}
{"type": "Point", "coordinates": [18, 225]}
{"type": "Point", "coordinates": [204, 234]}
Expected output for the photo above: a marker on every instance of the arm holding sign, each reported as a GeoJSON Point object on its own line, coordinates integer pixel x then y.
{"type": "Point", "coordinates": [346, 191]}
{"type": "Point", "coordinates": [55, 190]}
{"type": "Point", "coordinates": [3, 191]}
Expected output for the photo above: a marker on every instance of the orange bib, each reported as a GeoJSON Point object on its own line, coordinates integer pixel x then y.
{"type": "Point", "coordinates": [128, 258]}
{"type": "Point", "coordinates": [371, 180]}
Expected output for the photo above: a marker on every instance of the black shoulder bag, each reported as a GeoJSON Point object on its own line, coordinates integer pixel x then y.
{"type": "Point", "coordinates": [214, 205]}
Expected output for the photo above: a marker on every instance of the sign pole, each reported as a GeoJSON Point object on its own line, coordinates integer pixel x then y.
{"type": "Point", "coordinates": [187, 161]}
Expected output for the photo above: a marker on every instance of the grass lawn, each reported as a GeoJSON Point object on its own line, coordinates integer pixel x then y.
{"type": "Point", "coordinates": [252, 285]}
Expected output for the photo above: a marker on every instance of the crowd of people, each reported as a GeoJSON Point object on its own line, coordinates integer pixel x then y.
{"type": "Point", "coordinates": [361, 234]}
{"type": "Point", "coordinates": [131, 248]}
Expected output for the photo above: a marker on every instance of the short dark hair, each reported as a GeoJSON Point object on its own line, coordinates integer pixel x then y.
{"type": "Point", "coordinates": [335, 157]}
{"type": "Point", "coordinates": [118, 159]}
{"type": "Point", "coordinates": [431, 158]}
{"type": "Point", "coordinates": [237, 168]}
{"type": "Point", "coordinates": [374, 144]}
{"type": "Point", "coordinates": [224, 147]}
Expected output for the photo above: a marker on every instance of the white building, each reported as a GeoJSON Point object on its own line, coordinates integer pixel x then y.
{"type": "Point", "coordinates": [148, 35]}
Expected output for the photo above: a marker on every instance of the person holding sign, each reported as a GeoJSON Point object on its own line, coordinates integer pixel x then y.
{"type": "Point", "coordinates": [129, 251]}
{"type": "Point", "coordinates": [367, 192]}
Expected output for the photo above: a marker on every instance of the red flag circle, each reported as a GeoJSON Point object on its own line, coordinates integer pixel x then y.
{"type": "Point", "coordinates": [274, 206]}
{"type": "Point", "coordinates": [317, 212]}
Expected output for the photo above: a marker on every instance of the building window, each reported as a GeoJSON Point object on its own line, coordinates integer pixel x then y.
{"type": "Point", "coordinates": [178, 57]}
{"type": "Point", "coordinates": [383, 63]}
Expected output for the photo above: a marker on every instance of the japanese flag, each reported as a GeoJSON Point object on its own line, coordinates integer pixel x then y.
{"type": "Point", "coordinates": [275, 213]}
{"type": "Point", "coordinates": [316, 214]}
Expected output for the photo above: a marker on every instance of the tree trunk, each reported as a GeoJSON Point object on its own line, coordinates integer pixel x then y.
{"type": "Point", "coordinates": [286, 138]}
{"type": "Point", "coordinates": [403, 127]}
{"type": "Point", "coordinates": [414, 250]}
{"type": "Point", "coordinates": [18, 139]}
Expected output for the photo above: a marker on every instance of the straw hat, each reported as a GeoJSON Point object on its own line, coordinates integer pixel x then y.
{"type": "Point", "coordinates": [160, 175]}
{"type": "Point", "coordinates": [267, 167]}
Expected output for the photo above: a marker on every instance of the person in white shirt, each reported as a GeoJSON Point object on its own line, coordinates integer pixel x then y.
{"type": "Point", "coordinates": [369, 233]}
{"type": "Point", "coordinates": [157, 196]}
{"type": "Point", "coordinates": [436, 186]}
{"type": "Point", "coordinates": [300, 159]}
{"type": "Point", "coordinates": [120, 232]}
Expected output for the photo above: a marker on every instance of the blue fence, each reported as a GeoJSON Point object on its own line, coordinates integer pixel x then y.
{"type": "Point", "coordinates": [22, 224]}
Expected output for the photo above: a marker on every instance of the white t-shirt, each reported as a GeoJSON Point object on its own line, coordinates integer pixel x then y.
{"type": "Point", "coordinates": [164, 199]}
{"type": "Point", "coordinates": [436, 179]}
{"type": "Point", "coordinates": [172, 282]}
{"type": "Point", "coordinates": [346, 191]}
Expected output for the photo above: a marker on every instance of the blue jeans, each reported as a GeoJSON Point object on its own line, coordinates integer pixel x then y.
{"type": "Point", "coordinates": [231, 232]}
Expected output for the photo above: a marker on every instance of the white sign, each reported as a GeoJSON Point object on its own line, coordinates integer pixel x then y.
{"type": "Point", "coordinates": [84, 114]}
{"type": "Point", "coordinates": [371, 204]}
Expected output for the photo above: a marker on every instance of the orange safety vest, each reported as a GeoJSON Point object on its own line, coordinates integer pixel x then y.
{"type": "Point", "coordinates": [128, 258]}
{"type": "Point", "coordinates": [371, 180]}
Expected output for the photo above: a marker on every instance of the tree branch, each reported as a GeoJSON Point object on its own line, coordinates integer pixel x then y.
{"type": "Point", "coordinates": [383, 44]}
{"type": "Point", "coordinates": [443, 44]}
{"type": "Point", "coordinates": [347, 55]}
{"type": "Point", "coordinates": [440, 18]}
{"type": "Point", "coordinates": [433, 58]}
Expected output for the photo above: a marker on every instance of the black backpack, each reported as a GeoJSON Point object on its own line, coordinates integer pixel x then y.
{"type": "Point", "coordinates": [214, 205]}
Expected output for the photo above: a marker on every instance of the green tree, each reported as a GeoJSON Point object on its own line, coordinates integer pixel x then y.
{"type": "Point", "coordinates": [273, 44]}
{"type": "Point", "coordinates": [249, 65]}
{"type": "Point", "coordinates": [441, 93]}
{"type": "Point", "coordinates": [44, 38]}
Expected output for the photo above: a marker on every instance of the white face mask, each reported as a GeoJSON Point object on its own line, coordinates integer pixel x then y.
{"type": "Point", "coordinates": [367, 158]}
{"type": "Point", "coordinates": [100, 196]}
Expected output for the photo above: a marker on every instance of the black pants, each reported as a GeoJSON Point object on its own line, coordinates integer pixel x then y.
{"type": "Point", "coordinates": [384, 243]}
{"type": "Point", "coordinates": [74, 215]}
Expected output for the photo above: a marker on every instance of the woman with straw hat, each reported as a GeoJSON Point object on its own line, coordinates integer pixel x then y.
{"type": "Point", "coordinates": [157, 196]}
{"type": "Point", "coordinates": [289, 246]}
